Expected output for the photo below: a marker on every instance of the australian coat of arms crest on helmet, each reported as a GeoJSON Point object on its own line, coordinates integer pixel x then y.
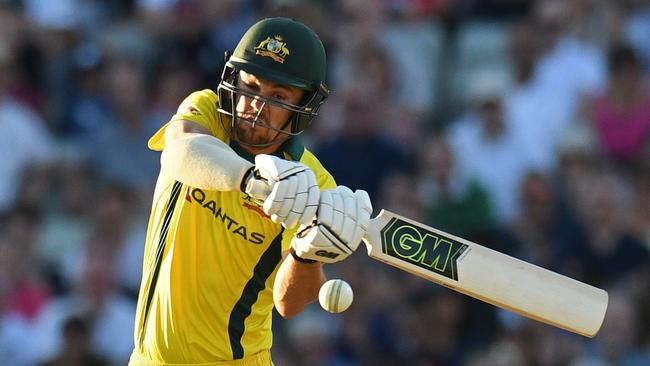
{"type": "Point", "coordinates": [273, 47]}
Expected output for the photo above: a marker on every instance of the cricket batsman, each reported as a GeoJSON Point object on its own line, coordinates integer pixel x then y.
{"type": "Point", "coordinates": [243, 216]}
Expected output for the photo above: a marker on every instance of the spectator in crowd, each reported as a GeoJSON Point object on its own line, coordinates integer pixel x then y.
{"type": "Point", "coordinates": [132, 163]}
{"type": "Point", "coordinates": [95, 297]}
{"type": "Point", "coordinates": [613, 253]}
{"type": "Point", "coordinates": [115, 224]}
{"type": "Point", "coordinates": [447, 310]}
{"type": "Point", "coordinates": [56, 30]}
{"type": "Point", "coordinates": [621, 115]}
{"type": "Point", "coordinates": [556, 69]}
{"type": "Point", "coordinates": [35, 184]}
{"type": "Point", "coordinates": [549, 234]}
{"type": "Point", "coordinates": [76, 346]}
{"type": "Point", "coordinates": [15, 327]}
{"type": "Point", "coordinates": [172, 21]}
{"type": "Point", "coordinates": [66, 229]}
{"type": "Point", "coordinates": [24, 138]}
{"type": "Point", "coordinates": [88, 114]}
{"type": "Point", "coordinates": [523, 100]}
{"type": "Point", "coordinates": [569, 68]}
{"type": "Point", "coordinates": [369, 154]}
{"type": "Point", "coordinates": [455, 202]}
{"type": "Point", "coordinates": [636, 30]}
{"type": "Point", "coordinates": [27, 291]}
{"type": "Point", "coordinates": [488, 148]}
{"type": "Point", "coordinates": [578, 163]}
{"type": "Point", "coordinates": [640, 214]}
{"type": "Point", "coordinates": [117, 219]}
{"type": "Point", "coordinates": [176, 79]}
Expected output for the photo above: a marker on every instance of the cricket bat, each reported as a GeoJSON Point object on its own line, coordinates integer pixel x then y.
{"type": "Point", "coordinates": [480, 272]}
{"type": "Point", "coordinates": [486, 274]}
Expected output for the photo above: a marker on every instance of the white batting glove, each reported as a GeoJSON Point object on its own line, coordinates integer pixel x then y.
{"type": "Point", "coordinates": [343, 219]}
{"type": "Point", "coordinates": [287, 188]}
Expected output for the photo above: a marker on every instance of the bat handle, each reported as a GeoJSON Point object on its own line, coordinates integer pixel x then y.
{"type": "Point", "coordinates": [372, 228]}
{"type": "Point", "coordinates": [258, 189]}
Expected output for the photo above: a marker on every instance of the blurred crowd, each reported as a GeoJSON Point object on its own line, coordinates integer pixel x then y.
{"type": "Point", "coordinates": [523, 125]}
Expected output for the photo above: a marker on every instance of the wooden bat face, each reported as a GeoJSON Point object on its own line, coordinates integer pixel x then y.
{"type": "Point", "coordinates": [486, 274]}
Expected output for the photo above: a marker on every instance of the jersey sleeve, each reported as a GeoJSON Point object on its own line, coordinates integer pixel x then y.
{"type": "Point", "coordinates": [324, 180]}
{"type": "Point", "coordinates": [199, 107]}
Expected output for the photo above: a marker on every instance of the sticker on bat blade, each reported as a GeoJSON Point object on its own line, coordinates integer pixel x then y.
{"type": "Point", "coordinates": [421, 247]}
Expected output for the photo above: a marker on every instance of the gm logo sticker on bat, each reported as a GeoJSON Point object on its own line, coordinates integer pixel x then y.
{"type": "Point", "coordinates": [421, 247]}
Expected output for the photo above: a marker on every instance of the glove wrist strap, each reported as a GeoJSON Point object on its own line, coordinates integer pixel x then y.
{"type": "Point", "coordinates": [247, 176]}
{"type": "Point", "coordinates": [299, 259]}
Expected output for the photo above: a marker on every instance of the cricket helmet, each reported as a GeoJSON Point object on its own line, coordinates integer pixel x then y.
{"type": "Point", "coordinates": [284, 51]}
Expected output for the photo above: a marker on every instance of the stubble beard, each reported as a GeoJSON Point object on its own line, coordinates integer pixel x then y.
{"type": "Point", "coordinates": [246, 134]}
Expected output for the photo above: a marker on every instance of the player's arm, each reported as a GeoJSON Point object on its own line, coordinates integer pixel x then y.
{"type": "Point", "coordinates": [296, 284]}
{"type": "Point", "coordinates": [196, 158]}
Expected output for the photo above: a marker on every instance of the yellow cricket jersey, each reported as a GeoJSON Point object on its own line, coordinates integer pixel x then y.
{"type": "Point", "coordinates": [210, 261]}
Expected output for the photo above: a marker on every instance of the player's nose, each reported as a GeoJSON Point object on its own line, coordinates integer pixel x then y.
{"type": "Point", "coordinates": [256, 104]}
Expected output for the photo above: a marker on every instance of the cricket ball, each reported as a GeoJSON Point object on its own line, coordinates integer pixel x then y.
{"type": "Point", "coordinates": [335, 296]}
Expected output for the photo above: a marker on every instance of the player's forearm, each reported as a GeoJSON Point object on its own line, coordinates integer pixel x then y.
{"type": "Point", "coordinates": [296, 285]}
{"type": "Point", "coordinates": [203, 161]}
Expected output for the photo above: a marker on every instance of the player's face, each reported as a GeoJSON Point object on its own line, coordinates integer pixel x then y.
{"type": "Point", "coordinates": [255, 115]}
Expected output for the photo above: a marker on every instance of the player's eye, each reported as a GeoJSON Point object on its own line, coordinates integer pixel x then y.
{"type": "Point", "coordinates": [251, 87]}
{"type": "Point", "coordinates": [278, 96]}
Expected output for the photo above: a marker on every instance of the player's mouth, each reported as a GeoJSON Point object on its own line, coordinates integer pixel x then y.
{"type": "Point", "coordinates": [251, 120]}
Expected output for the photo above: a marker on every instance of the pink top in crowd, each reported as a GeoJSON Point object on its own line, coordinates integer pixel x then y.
{"type": "Point", "coordinates": [622, 132]}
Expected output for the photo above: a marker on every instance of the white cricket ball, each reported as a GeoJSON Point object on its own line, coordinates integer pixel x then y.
{"type": "Point", "coordinates": [335, 296]}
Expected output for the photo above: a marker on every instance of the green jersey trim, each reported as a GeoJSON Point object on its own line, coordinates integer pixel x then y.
{"type": "Point", "coordinates": [242, 309]}
{"type": "Point", "coordinates": [164, 229]}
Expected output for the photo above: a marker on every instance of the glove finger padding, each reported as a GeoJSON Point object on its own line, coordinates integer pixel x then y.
{"type": "Point", "coordinates": [275, 169]}
{"type": "Point", "coordinates": [282, 197]}
{"type": "Point", "coordinates": [349, 215]}
{"type": "Point", "coordinates": [294, 193]}
{"type": "Point", "coordinates": [364, 210]}
{"type": "Point", "coordinates": [326, 208]}
{"type": "Point", "coordinates": [311, 206]}
{"type": "Point", "coordinates": [300, 201]}
{"type": "Point", "coordinates": [338, 212]}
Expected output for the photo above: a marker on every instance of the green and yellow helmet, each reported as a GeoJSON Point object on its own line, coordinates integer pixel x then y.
{"type": "Point", "coordinates": [284, 51]}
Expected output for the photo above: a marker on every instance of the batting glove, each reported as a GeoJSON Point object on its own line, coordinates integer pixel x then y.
{"type": "Point", "coordinates": [343, 219]}
{"type": "Point", "coordinates": [288, 190]}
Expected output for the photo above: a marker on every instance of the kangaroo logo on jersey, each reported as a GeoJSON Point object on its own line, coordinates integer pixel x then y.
{"type": "Point", "coordinates": [254, 206]}
{"type": "Point", "coordinates": [274, 47]}
{"type": "Point", "coordinates": [421, 247]}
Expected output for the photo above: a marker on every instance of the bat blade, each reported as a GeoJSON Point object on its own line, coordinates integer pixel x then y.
{"type": "Point", "coordinates": [486, 274]}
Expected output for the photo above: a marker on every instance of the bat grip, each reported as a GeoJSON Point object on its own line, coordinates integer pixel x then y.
{"type": "Point", "coordinates": [258, 188]}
